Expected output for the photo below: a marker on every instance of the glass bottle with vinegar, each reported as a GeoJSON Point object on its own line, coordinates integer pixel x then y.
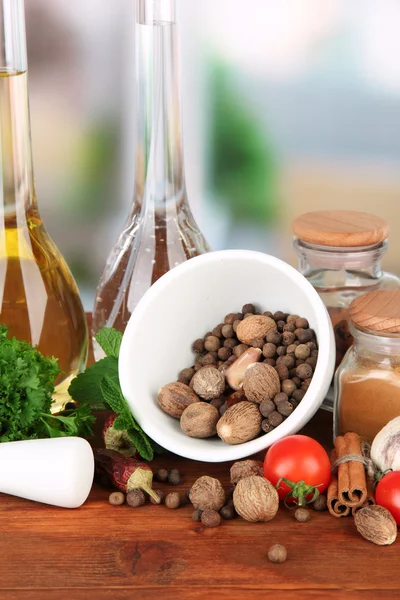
{"type": "Point", "coordinates": [39, 300]}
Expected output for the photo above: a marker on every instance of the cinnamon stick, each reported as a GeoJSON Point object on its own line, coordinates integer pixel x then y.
{"type": "Point", "coordinates": [370, 499]}
{"type": "Point", "coordinates": [352, 485]}
{"type": "Point", "coordinates": [335, 506]}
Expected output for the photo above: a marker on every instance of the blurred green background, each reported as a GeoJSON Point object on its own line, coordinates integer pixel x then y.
{"type": "Point", "coordinates": [288, 107]}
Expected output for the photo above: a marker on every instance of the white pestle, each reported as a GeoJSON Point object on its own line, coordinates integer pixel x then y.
{"type": "Point", "coordinates": [56, 471]}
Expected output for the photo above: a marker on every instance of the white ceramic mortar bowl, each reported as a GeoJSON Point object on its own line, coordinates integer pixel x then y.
{"type": "Point", "coordinates": [192, 299]}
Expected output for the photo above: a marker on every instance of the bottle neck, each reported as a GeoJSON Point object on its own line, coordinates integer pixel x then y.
{"type": "Point", "coordinates": [159, 171]}
{"type": "Point", "coordinates": [16, 171]}
{"type": "Point", "coordinates": [340, 267]}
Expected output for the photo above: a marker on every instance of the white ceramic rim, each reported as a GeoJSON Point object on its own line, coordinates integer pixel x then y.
{"type": "Point", "coordinates": [321, 379]}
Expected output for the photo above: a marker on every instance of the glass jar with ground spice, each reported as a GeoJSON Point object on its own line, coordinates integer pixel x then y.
{"type": "Point", "coordinates": [340, 253]}
{"type": "Point", "coordinates": [367, 383]}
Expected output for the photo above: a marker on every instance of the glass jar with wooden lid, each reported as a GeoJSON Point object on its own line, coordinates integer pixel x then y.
{"type": "Point", "coordinates": [340, 253]}
{"type": "Point", "coordinates": [367, 383]}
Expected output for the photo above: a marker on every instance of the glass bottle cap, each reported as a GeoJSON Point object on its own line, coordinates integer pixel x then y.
{"type": "Point", "coordinates": [340, 228]}
{"type": "Point", "coordinates": [378, 312]}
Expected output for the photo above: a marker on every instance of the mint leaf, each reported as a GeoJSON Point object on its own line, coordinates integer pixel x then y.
{"type": "Point", "coordinates": [142, 444]}
{"type": "Point", "coordinates": [122, 422]}
{"type": "Point", "coordinates": [110, 341]}
{"type": "Point", "coordinates": [112, 394]}
{"type": "Point", "coordinates": [86, 387]}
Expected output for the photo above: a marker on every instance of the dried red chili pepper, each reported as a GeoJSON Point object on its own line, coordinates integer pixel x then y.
{"type": "Point", "coordinates": [117, 440]}
{"type": "Point", "coordinates": [125, 473]}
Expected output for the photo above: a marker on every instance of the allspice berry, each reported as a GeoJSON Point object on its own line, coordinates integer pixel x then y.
{"type": "Point", "coordinates": [198, 346]}
{"type": "Point", "coordinates": [304, 371]}
{"type": "Point", "coordinates": [116, 498]}
{"type": "Point", "coordinates": [135, 498]}
{"type": "Point", "coordinates": [275, 418]}
{"type": "Point", "coordinates": [320, 503]}
{"type": "Point", "coordinates": [227, 331]}
{"type": "Point", "coordinates": [266, 407]}
{"type": "Point", "coordinates": [212, 343]}
{"type": "Point", "coordinates": [161, 495]}
{"type": "Point", "coordinates": [277, 553]}
{"type": "Point", "coordinates": [186, 375]}
{"type": "Point", "coordinates": [173, 500]}
{"type": "Point", "coordinates": [210, 518]}
{"type": "Point", "coordinates": [302, 515]}
{"type": "Point", "coordinates": [208, 383]}
{"type": "Point", "coordinates": [302, 351]}
{"type": "Point", "coordinates": [196, 515]}
{"type": "Point", "coordinates": [228, 512]}
{"type": "Point", "coordinates": [161, 475]}
{"type": "Point", "coordinates": [288, 386]}
{"type": "Point", "coordinates": [174, 477]}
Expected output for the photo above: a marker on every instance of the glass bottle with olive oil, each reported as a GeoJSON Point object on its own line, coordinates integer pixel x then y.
{"type": "Point", "coordinates": [39, 300]}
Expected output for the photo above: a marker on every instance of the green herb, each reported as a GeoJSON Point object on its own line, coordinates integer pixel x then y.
{"type": "Point", "coordinates": [100, 386]}
{"type": "Point", "coordinates": [26, 389]}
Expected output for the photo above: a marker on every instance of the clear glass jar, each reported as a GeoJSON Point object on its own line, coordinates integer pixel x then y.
{"type": "Point", "coordinates": [367, 384]}
{"type": "Point", "coordinates": [341, 274]}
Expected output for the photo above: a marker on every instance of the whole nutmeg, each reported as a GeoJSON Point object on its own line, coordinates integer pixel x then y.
{"type": "Point", "coordinates": [246, 468]}
{"type": "Point", "coordinates": [255, 499]}
{"type": "Point", "coordinates": [376, 525]}
{"type": "Point", "coordinates": [240, 423]}
{"type": "Point", "coordinates": [255, 326]}
{"type": "Point", "coordinates": [175, 397]}
{"type": "Point", "coordinates": [261, 382]}
{"type": "Point", "coordinates": [208, 383]}
{"type": "Point", "coordinates": [207, 493]}
{"type": "Point", "coordinates": [200, 420]}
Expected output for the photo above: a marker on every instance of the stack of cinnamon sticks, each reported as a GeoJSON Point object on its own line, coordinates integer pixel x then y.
{"type": "Point", "coordinates": [349, 489]}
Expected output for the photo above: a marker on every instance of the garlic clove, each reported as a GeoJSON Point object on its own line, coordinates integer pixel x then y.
{"type": "Point", "coordinates": [235, 373]}
{"type": "Point", "coordinates": [385, 449]}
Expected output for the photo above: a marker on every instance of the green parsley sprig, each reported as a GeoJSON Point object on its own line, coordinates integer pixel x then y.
{"type": "Point", "coordinates": [26, 389]}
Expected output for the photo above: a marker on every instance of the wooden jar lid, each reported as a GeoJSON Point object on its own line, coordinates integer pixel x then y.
{"type": "Point", "coordinates": [340, 228]}
{"type": "Point", "coordinates": [377, 311]}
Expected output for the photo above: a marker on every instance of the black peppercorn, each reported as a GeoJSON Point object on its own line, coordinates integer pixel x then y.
{"type": "Point", "coordinates": [174, 477]}
{"type": "Point", "coordinates": [266, 407]}
{"type": "Point", "coordinates": [275, 418]}
{"type": "Point", "coordinates": [161, 475]}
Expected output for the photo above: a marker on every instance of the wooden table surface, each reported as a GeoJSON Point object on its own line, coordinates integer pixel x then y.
{"type": "Point", "coordinates": [110, 553]}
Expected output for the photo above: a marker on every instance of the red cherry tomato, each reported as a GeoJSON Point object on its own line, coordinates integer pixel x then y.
{"type": "Point", "coordinates": [304, 465]}
{"type": "Point", "coordinates": [387, 494]}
